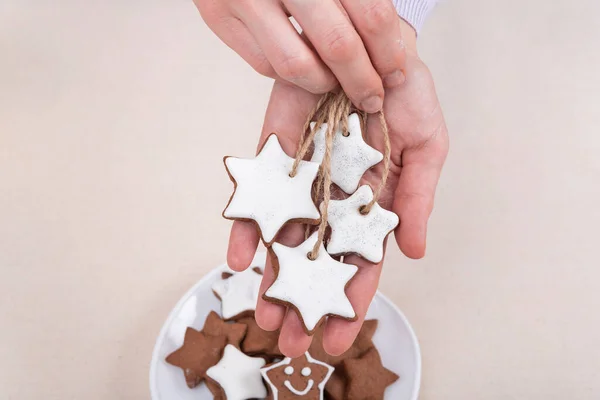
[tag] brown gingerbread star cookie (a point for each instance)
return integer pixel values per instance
(258, 341)
(215, 326)
(367, 377)
(336, 386)
(362, 343)
(301, 378)
(198, 353)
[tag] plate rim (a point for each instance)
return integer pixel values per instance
(172, 314)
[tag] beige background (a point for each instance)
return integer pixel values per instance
(114, 117)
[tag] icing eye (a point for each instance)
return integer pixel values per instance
(288, 370)
(306, 371)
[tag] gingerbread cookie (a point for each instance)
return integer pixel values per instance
(336, 386)
(258, 341)
(295, 379)
(198, 353)
(351, 157)
(367, 377)
(238, 292)
(266, 194)
(314, 289)
(355, 232)
(237, 376)
(233, 333)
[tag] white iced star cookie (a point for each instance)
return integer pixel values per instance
(238, 375)
(298, 378)
(238, 292)
(354, 232)
(314, 289)
(351, 157)
(266, 194)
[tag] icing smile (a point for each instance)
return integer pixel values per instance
(299, 392)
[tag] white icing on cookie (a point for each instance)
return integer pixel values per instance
(306, 371)
(316, 288)
(238, 293)
(353, 232)
(297, 392)
(239, 375)
(287, 383)
(265, 193)
(351, 157)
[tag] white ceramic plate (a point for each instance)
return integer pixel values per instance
(394, 339)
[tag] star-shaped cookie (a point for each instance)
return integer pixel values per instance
(367, 377)
(266, 194)
(258, 341)
(362, 343)
(215, 326)
(351, 157)
(238, 292)
(314, 289)
(300, 378)
(237, 376)
(198, 353)
(336, 386)
(355, 232)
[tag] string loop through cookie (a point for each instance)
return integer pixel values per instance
(333, 109)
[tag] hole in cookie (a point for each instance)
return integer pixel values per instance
(363, 210)
(346, 134)
(310, 256)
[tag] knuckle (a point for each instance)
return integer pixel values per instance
(263, 66)
(340, 44)
(378, 17)
(244, 7)
(293, 67)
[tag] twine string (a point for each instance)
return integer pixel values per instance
(387, 150)
(333, 110)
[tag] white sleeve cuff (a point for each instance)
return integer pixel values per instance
(414, 11)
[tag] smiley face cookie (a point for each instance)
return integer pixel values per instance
(302, 378)
(267, 195)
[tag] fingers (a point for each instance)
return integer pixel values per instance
(243, 241)
(342, 49)
(293, 341)
(378, 24)
(413, 200)
(340, 334)
(234, 34)
(269, 316)
(291, 58)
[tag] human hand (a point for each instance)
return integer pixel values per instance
(419, 143)
(351, 42)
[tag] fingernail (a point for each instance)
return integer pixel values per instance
(396, 78)
(372, 104)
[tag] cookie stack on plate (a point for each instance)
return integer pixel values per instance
(238, 360)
